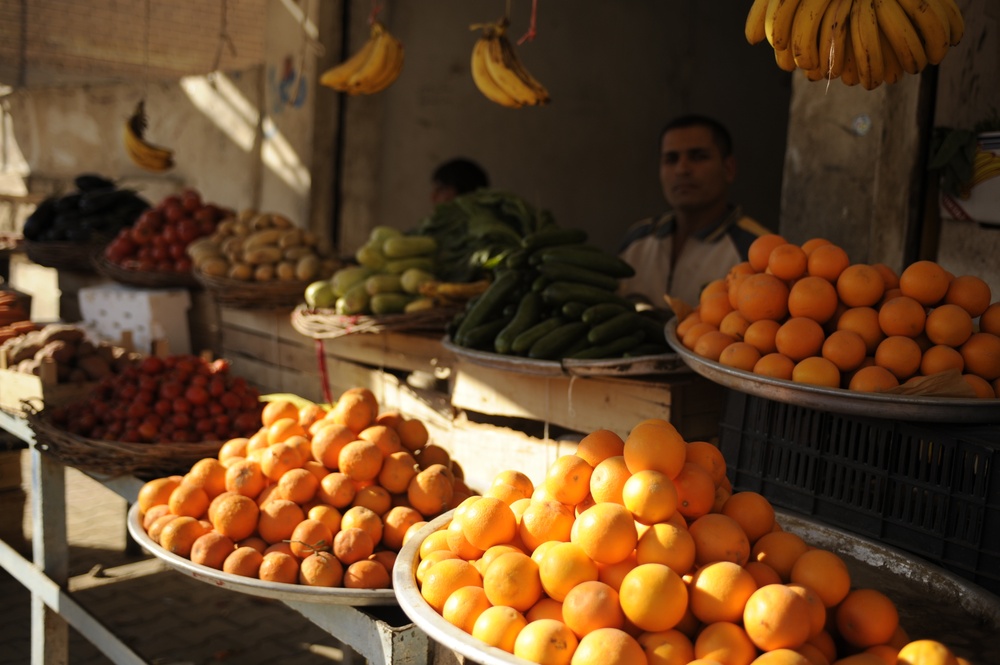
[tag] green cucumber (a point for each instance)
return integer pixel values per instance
(540, 283)
(490, 302)
(523, 342)
(553, 343)
(560, 293)
(482, 336)
(567, 272)
(573, 310)
(600, 261)
(601, 312)
(527, 314)
(615, 327)
(552, 236)
(612, 349)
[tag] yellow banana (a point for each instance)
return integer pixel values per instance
(956, 23)
(987, 166)
(754, 28)
(893, 67)
(504, 68)
(833, 33)
(902, 35)
(778, 22)
(867, 50)
(785, 59)
(337, 77)
(849, 71)
(143, 153)
(805, 32)
(481, 75)
(932, 23)
(383, 64)
(515, 63)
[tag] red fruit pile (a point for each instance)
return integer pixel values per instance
(178, 398)
(158, 239)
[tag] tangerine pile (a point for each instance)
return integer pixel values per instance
(322, 497)
(805, 313)
(637, 551)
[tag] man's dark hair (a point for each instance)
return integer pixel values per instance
(462, 174)
(720, 134)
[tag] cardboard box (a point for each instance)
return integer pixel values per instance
(148, 314)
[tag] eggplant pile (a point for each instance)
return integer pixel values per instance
(97, 209)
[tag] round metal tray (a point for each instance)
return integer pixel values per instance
(837, 400)
(663, 363)
(963, 615)
(255, 587)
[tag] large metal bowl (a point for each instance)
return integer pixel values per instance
(836, 400)
(933, 603)
(252, 586)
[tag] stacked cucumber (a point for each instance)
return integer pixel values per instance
(555, 298)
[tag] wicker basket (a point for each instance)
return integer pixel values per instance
(326, 324)
(116, 458)
(143, 278)
(242, 294)
(68, 256)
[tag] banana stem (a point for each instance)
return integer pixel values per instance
(532, 32)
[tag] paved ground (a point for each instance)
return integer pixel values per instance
(166, 617)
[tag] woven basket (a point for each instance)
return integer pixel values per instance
(242, 294)
(143, 278)
(326, 324)
(116, 458)
(68, 256)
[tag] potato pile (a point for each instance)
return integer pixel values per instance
(261, 247)
(76, 358)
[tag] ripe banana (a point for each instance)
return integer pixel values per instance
(372, 68)
(985, 167)
(956, 23)
(785, 59)
(867, 50)
(932, 23)
(754, 28)
(833, 32)
(504, 69)
(143, 153)
(778, 23)
(849, 72)
(893, 67)
(805, 32)
(901, 35)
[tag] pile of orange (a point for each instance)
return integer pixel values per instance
(636, 551)
(805, 313)
(322, 497)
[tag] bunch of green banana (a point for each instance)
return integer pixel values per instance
(371, 69)
(143, 153)
(498, 72)
(866, 42)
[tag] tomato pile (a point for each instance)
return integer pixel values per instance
(178, 398)
(158, 239)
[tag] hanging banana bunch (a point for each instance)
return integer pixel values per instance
(498, 73)
(866, 42)
(143, 153)
(371, 69)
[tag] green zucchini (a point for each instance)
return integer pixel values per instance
(527, 314)
(588, 258)
(612, 349)
(390, 303)
(399, 266)
(553, 343)
(523, 342)
(567, 272)
(383, 283)
(404, 246)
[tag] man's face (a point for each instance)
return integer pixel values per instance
(693, 173)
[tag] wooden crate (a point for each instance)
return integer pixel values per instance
(44, 389)
(10, 470)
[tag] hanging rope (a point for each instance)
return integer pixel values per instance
(225, 39)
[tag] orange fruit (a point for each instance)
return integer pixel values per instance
(845, 349)
(752, 511)
(865, 322)
(382, 436)
(695, 332)
(813, 298)
(363, 518)
(825, 573)
(277, 409)
(740, 355)
(734, 324)
(980, 386)
(591, 605)
(816, 371)
(900, 355)
(712, 343)
(668, 544)
(762, 296)
(608, 646)
(828, 261)
(156, 492)
(817, 610)
(873, 379)
(360, 460)
(326, 442)
(235, 516)
(888, 275)
(649, 495)
(776, 617)
(278, 519)
(243, 561)
(179, 534)
(278, 458)
(653, 597)
(608, 479)
(562, 567)
(398, 469)
(445, 576)
(356, 408)
(780, 550)
(367, 574)
(545, 520)
(513, 579)
(413, 434)
(787, 262)
(949, 325)
(321, 569)
(724, 642)
(279, 567)
(397, 522)
(970, 293)
(667, 647)
(939, 359)
(925, 652)
(499, 627)
(189, 500)
(714, 307)
(211, 549)
(209, 474)
(236, 447)
(545, 608)
(924, 281)
(599, 445)
(719, 590)
(687, 323)
(762, 573)
(718, 537)
(310, 536)
(545, 641)
(799, 338)
(328, 515)
(431, 490)
(284, 428)
(336, 489)
(759, 252)
(298, 485)
(606, 532)
(902, 316)
(655, 445)
(860, 285)
(464, 606)
(760, 335)
(568, 479)
(695, 491)
(989, 321)
(866, 617)
(775, 365)
(782, 657)
(488, 521)
(161, 509)
(981, 353)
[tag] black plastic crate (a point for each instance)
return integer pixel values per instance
(929, 489)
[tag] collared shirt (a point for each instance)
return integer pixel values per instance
(708, 254)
